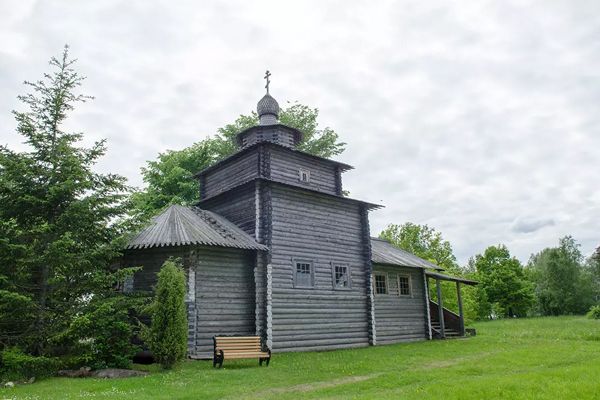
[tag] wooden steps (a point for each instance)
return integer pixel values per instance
(449, 332)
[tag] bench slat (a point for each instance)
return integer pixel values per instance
(244, 355)
(236, 347)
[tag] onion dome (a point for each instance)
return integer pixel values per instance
(268, 110)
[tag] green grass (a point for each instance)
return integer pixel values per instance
(553, 358)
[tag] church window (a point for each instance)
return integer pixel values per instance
(304, 175)
(404, 285)
(341, 276)
(304, 274)
(381, 286)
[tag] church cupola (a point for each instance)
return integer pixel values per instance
(269, 129)
(267, 108)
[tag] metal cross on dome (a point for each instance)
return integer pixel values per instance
(267, 75)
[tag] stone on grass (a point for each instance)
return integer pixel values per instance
(111, 373)
(75, 373)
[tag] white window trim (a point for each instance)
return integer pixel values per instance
(296, 261)
(349, 271)
(304, 171)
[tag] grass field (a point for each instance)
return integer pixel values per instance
(544, 358)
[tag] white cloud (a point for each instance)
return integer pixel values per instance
(479, 119)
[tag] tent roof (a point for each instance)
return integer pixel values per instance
(180, 226)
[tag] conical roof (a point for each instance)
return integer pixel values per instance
(180, 226)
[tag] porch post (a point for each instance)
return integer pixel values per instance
(460, 310)
(440, 308)
(427, 305)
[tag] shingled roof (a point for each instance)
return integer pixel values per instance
(180, 226)
(383, 252)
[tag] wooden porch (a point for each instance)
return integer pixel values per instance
(443, 323)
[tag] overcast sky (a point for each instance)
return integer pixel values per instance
(480, 119)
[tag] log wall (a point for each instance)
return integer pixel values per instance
(400, 318)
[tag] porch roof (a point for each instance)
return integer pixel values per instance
(443, 277)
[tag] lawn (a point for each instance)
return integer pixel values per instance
(543, 358)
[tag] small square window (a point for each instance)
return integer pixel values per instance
(303, 276)
(381, 284)
(403, 285)
(304, 175)
(341, 276)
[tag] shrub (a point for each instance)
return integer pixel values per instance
(103, 334)
(594, 312)
(17, 365)
(167, 335)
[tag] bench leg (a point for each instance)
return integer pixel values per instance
(218, 359)
(268, 359)
(260, 360)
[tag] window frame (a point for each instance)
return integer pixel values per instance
(295, 262)
(387, 285)
(302, 171)
(410, 291)
(348, 273)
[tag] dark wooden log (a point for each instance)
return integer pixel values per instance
(440, 308)
(460, 310)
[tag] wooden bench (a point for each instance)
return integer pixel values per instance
(236, 347)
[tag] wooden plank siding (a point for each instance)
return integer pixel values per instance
(400, 318)
(230, 174)
(325, 230)
(285, 166)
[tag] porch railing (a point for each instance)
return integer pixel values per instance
(452, 321)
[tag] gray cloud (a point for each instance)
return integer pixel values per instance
(529, 225)
(465, 117)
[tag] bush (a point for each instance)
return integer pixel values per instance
(16, 365)
(594, 312)
(103, 334)
(167, 335)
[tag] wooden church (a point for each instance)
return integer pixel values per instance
(273, 248)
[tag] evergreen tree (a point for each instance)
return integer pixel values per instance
(61, 223)
(167, 336)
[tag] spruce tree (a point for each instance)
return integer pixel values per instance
(61, 222)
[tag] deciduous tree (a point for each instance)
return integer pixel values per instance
(562, 285)
(503, 286)
(427, 243)
(169, 179)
